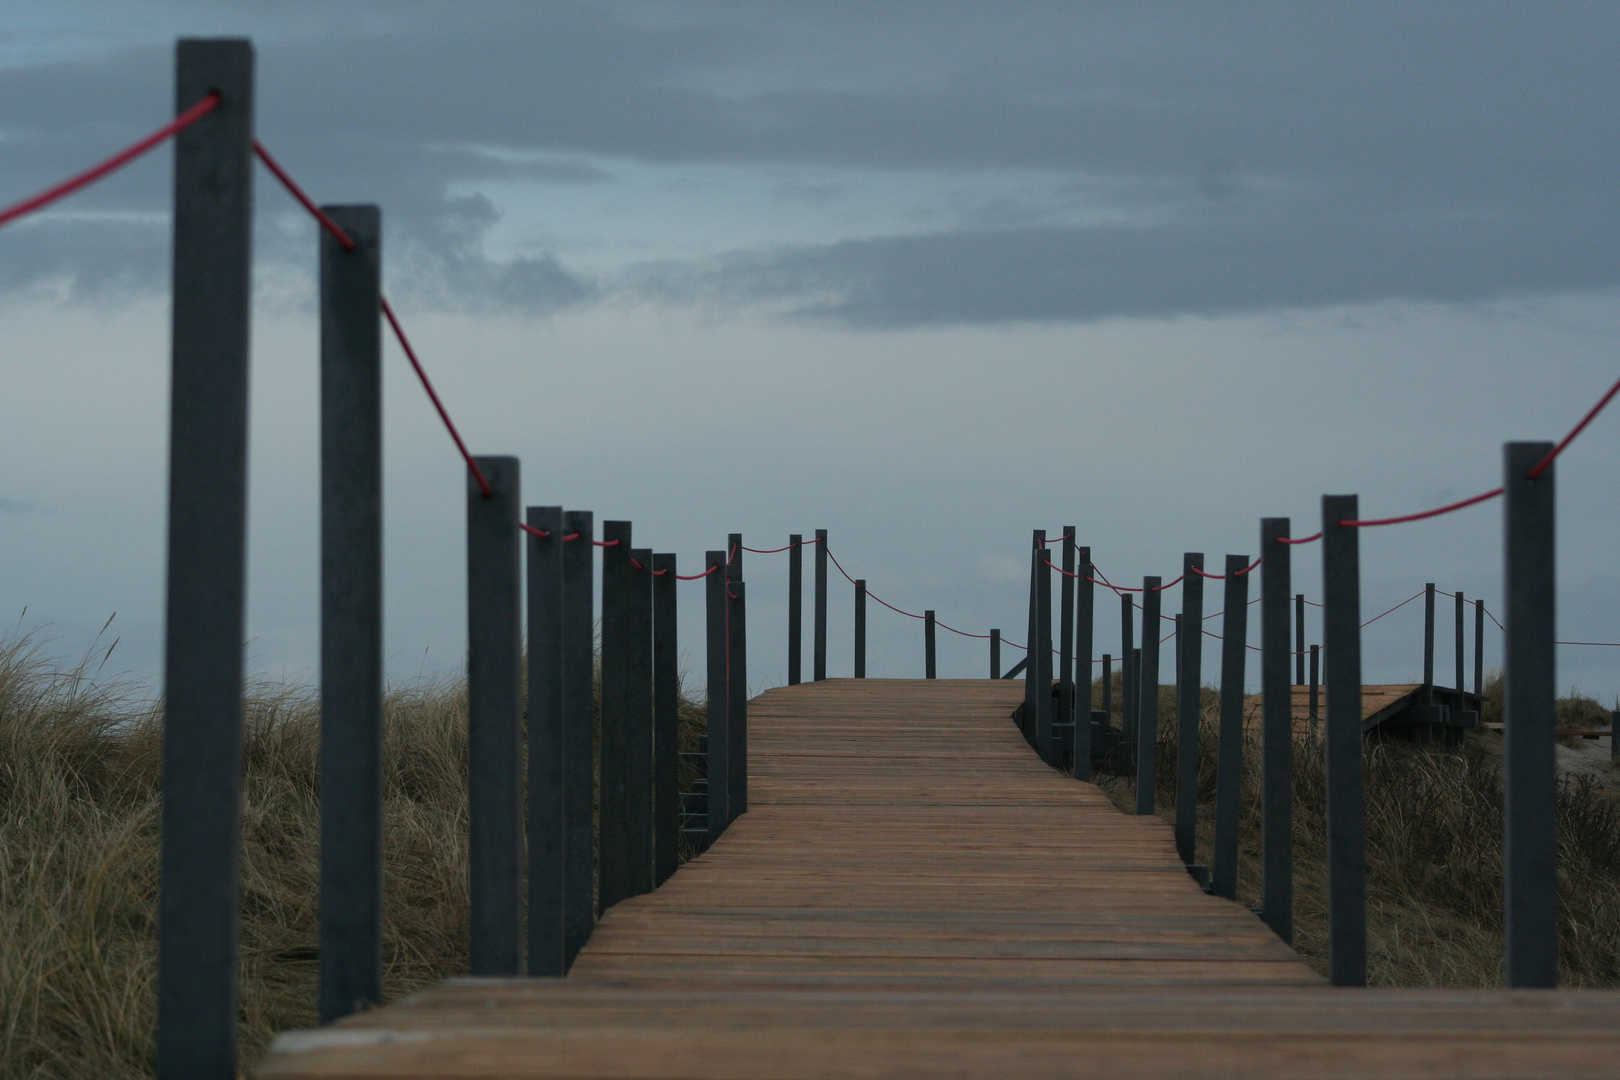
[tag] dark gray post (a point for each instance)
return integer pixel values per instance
(1189, 704)
(1066, 713)
(1276, 734)
(617, 712)
(1529, 718)
(208, 410)
(1423, 730)
(1462, 648)
(351, 615)
(1083, 714)
(1108, 687)
(718, 771)
(795, 606)
(1147, 697)
(1043, 660)
(860, 628)
(1313, 712)
(548, 800)
(928, 644)
(1127, 687)
(737, 703)
(1341, 630)
(666, 722)
(1299, 639)
(995, 653)
(1032, 635)
(1614, 736)
(819, 660)
(638, 774)
(495, 720)
(1479, 651)
(579, 729)
(1229, 750)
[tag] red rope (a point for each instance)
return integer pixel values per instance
(1483, 497)
(605, 543)
(531, 530)
(570, 536)
(1302, 540)
(1397, 607)
(785, 547)
(117, 161)
(303, 200)
(433, 396)
(1541, 466)
(637, 564)
(694, 577)
(1222, 577)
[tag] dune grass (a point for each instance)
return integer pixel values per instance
(79, 802)
(79, 827)
(1434, 850)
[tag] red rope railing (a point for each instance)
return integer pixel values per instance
(67, 187)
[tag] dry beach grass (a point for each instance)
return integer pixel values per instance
(79, 801)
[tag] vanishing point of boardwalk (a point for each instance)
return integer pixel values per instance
(913, 894)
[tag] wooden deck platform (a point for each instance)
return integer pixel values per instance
(914, 895)
(1379, 703)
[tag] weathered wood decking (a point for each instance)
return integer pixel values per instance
(913, 894)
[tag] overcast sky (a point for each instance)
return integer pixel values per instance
(926, 275)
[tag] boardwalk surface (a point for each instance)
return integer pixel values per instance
(912, 894)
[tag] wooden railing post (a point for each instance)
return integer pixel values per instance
(1529, 718)
(1041, 660)
(995, 653)
(638, 771)
(1479, 650)
(1127, 685)
(579, 729)
(1276, 734)
(928, 644)
(1084, 717)
(1032, 635)
(718, 783)
(548, 770)
(795, 607)
(1108, 688)
(819, 646)
(666, 721)
(1229, 751)
(351, 615)
(1313, 711)
(617, 711)
(860, 628)
(207, 556)
(1346, 846)
(1427, 713)
(1147, 697)
(494, 720)
(1189, 704)
(737, 700)
(1066, 713)
(1299, 639)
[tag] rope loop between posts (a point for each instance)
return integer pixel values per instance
(433, 396)
(343, 238)
(73, 183)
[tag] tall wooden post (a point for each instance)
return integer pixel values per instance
(619, 701)
(1147, 698)
(208, 444)
(548, 758)
(795, 607)
(1189, 704)
(351, 614)
(1276, 734)
(1229, 752)
(579, 729)
(819, 646)
(1529, 720)
(1346, 854)
(666, 721)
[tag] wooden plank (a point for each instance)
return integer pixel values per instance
(886, 910)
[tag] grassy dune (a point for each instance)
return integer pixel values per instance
(1434, 851)
(79, 802)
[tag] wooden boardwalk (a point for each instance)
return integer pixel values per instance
(913, 894)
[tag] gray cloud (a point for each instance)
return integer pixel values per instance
(1276, 155)
(13, 508)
